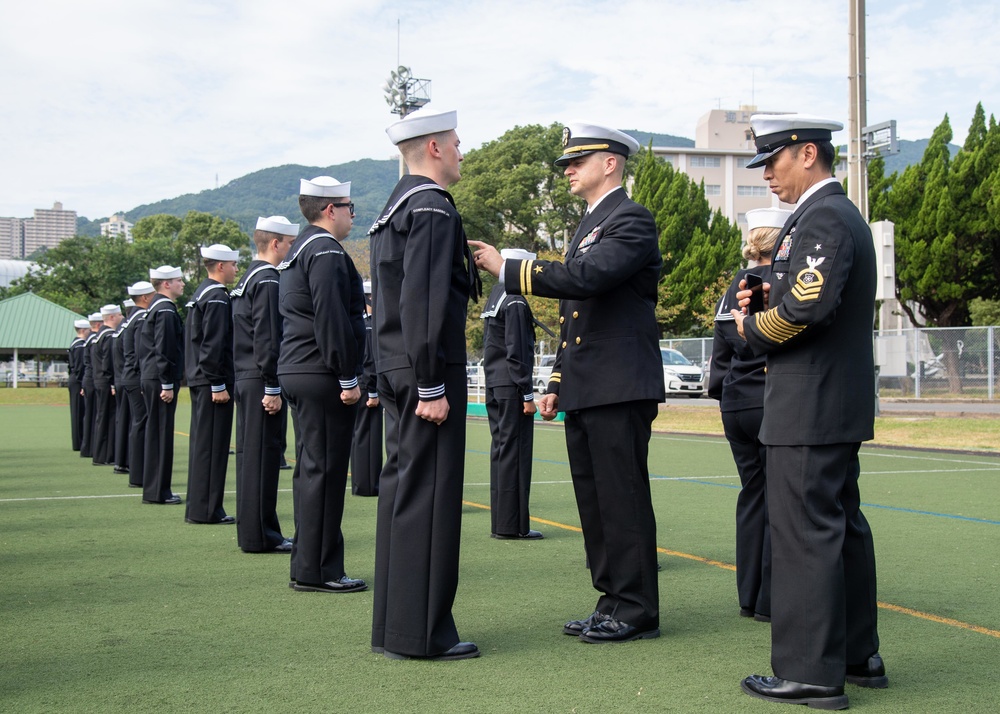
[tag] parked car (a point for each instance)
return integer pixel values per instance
(680, 375)
(543, 371)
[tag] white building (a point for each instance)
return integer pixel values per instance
(117, 226)
(723, 146)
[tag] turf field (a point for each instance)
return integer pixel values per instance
(110, 605)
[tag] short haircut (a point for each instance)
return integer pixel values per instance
(760, 242)
(412, 149)
(210, 263)
(262, 239)
(825, 153)
(157, 283)
(312, 207)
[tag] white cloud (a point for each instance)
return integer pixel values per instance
(108, 105)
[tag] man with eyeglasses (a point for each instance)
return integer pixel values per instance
(322, 303)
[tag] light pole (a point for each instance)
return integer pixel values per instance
(405, 93)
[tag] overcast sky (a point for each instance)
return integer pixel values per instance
(108, 104)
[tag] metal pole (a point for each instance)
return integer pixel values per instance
(857, 98)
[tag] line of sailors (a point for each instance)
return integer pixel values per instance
(125, 371)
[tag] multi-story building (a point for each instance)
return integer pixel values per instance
(47, 229)
(117, 226)
(723, 146)
(11, 238)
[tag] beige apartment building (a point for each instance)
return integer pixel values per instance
(48, 228)
(117, 226)
(11, 238)
(723, 145)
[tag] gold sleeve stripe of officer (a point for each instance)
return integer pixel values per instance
(587, 147)
(526, 277)
(776, 328)
(555, 377)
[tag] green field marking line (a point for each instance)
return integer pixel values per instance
(729, 566)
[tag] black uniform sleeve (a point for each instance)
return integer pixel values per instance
(266, 332)
(168, 354)
(722, 358)
(519, 339)
(427, 279)
(213, 351)
(820, 266)
(331, 287)
(369, 374)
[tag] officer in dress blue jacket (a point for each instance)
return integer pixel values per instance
(422, 279)
(211, 377)
(819, 405)
(161, 365)
(260, 416)
(607, 290)
(142, 294)
(322, 345)
(508, 362)
(74, 367)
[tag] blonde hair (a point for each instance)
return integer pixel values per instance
(760, 243)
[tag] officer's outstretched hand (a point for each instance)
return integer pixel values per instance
(487, 257)
(350, 396)
(435, 410)
(548, 405)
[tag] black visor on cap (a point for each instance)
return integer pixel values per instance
(579, 146)
(770, 144)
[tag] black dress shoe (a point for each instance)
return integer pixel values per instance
(135, 485)
(870, 674)
(614, 630)
(463, 650)
(776, 689)
(575, 628)
(172, 501)
(343, 585)
(119, 470)
(761, 617)
(285, 467)
(284, 547)
(530, 535)
(746, 612)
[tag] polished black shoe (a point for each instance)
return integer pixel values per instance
(119, 470)
(776, 689)
(761, 617)
(575, 628)
(343, 585)
(225, 520)
(869, 674)
(463, 650)
(135, 485)
(614, 630)
(746, 612)
(285, 467)
(172, 501)
(530, 535)
(284, 547)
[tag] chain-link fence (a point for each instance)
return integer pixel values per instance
(918, 363)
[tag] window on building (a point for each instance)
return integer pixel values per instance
(742, 161)
(755, 191)
(713, 189)
(705, 162)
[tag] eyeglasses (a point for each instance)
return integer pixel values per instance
(348, 206)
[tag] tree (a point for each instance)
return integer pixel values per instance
(697, 245)
(513, 195)
(946, 232)
(83, 273)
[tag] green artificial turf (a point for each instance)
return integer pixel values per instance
(110, 605)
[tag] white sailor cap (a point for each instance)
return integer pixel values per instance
(422, 122)
(767, 218)
(128, 302)
(81, 325)
(164, 272)
(367, 287)
(517, 254)
(142, 287)
(110, 310)
(773, 132)
(581, 139)
(95, 317)
(278, 224)
(219, 252)
(324, 187)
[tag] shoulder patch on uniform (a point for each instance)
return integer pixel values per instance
(809, 282)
